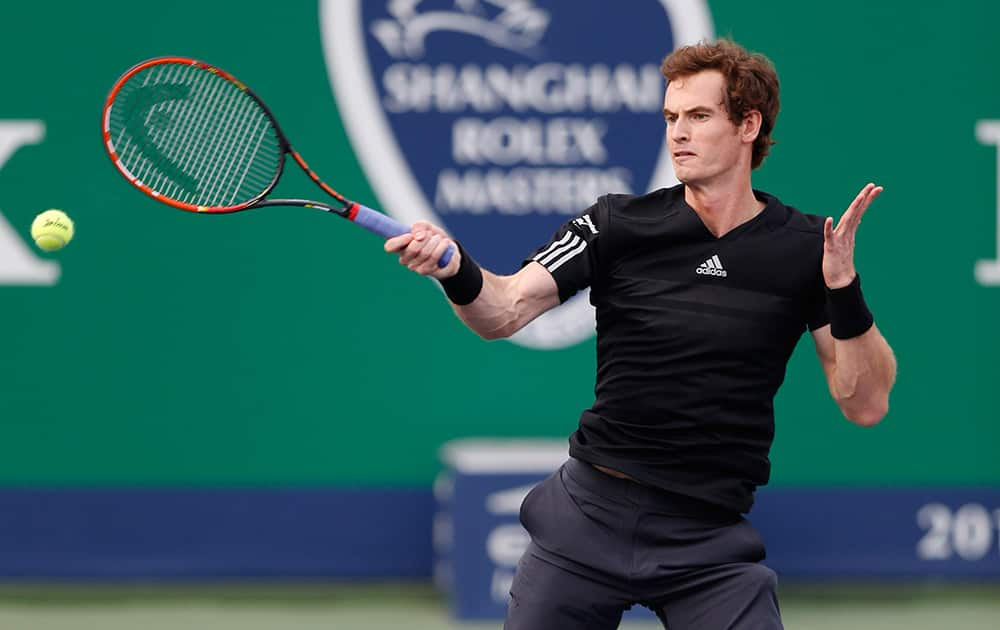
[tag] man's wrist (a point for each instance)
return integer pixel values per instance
(465, 285)
(849, 315)
(843, 281)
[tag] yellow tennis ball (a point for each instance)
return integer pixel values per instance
(51, 230)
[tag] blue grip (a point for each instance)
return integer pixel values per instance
(388, 227)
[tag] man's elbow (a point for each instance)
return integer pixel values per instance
(498, 328)
(867, 415)
(493, 335)
(488, 329)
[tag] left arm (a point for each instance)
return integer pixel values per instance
(860, 372)
(859, 365)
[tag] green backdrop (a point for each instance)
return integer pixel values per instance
(259, 348)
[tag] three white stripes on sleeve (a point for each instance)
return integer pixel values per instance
(560, 252)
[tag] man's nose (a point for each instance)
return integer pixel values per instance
(678, 131)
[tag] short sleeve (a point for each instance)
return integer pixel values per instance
(571, 254)
(816, 314)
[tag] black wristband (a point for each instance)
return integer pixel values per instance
(464, 287)
(849, 315)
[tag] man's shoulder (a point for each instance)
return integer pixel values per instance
(791, 218)
(652, 205)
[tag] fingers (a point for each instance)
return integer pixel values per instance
(828, 231)
(424, 249)
(874, 193)
(852, 216)
(434, 268)
(865, 198)
(421, 248)
(419, 254)
(847, 219)
(397, 243)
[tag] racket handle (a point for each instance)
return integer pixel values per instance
(388, 227)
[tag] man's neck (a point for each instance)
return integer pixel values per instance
(723, 208)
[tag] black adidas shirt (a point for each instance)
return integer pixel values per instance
(693, 336)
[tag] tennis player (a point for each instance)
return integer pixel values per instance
(702, 292)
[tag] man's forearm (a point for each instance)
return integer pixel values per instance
(493, 314)
(507, 304)
(864, 373)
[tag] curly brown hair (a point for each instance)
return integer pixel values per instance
(751, 83)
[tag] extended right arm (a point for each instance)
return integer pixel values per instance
(507, 304)
(503, 305)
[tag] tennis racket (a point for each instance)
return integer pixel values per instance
(194, 137)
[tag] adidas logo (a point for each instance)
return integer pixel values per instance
(712, 267)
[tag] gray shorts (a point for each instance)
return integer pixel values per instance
(601, 545)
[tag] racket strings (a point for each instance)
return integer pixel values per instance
(194, 136)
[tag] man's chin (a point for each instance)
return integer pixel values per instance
(689, 176)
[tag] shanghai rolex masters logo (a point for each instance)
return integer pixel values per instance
(502, 119)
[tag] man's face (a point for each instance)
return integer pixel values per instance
(703, 141)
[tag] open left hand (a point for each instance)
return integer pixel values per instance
(838, 243)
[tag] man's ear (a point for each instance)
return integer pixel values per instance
(750, 126)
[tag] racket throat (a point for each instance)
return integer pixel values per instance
(344, 211)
